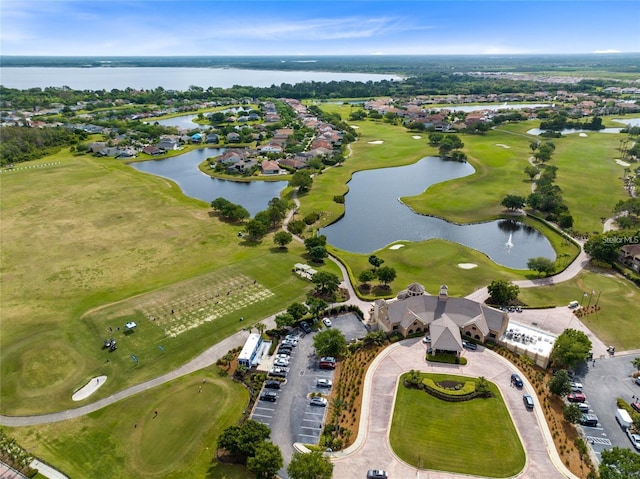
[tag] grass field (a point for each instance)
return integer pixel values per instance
(471, 437)
(103, 233)
(617, 321)
(125, 440)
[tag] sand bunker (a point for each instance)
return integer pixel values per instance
(623, 163)
(467, 265)
(502, 145)
(583, 135)
(396, 246)
(355, 127)
(416, 137)
(89, 388)
(375, 142)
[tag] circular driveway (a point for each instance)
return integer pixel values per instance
(372, 450)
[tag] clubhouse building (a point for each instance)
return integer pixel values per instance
(448, 320)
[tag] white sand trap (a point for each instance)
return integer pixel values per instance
(375, 142)
(623, 163)
(416, 137)
(355, 127)
(88, 389)
(502, 145)
(396, 246)
(583, 135)
(467, 265)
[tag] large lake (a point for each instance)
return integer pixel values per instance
(169, 78)
(183, 169)
(375, 217)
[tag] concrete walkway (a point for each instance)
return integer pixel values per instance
(47, 471)
(372, 449)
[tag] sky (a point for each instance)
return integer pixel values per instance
(316, 27)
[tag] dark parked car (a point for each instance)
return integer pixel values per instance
(589, 420)
(270, 396)
(305, 327)
(516, 381)
(271, 384)
(528, 401)
(377, 474)
(469, 345)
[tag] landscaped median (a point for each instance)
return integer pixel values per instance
(469, 432)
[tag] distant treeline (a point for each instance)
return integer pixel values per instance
(23, 144)
(427, 84)
(408, 65)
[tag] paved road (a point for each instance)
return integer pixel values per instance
(372, 449)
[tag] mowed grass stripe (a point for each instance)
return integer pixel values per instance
(471, 437)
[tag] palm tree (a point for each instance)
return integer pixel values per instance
(261, 327)
(636, 362)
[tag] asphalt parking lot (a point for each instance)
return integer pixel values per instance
(292, 418)
(603, 383)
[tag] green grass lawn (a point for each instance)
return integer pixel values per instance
(471, 437)
(125, 440)
(103, 233)
(617, 321)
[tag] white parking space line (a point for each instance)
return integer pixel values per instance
(262, 408)
(315, 413)
(308, 435)
(261, 415)
(310, 420)
(310, 427)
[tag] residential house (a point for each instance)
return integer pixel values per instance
(233, 137)
(270, 167)
(294, 163)
(196, 138)
(213, 138)
(168, 144)
(447, 319)
(152, 150)
(271, 147)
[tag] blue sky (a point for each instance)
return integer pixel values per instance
(307, 28)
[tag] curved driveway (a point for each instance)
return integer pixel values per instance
(372, 449)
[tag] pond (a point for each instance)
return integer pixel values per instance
(376, 217)
(183, 169)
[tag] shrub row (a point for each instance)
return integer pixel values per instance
(447, 359)
(469, 387)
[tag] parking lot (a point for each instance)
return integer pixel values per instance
(291, 417)
(603, 383)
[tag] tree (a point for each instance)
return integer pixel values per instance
(326, 282)
(297, 310)
(502, 292)
(559, 384)
(282, 238)
(531, 171)
(267, 460)
(255, 229)
(619, 463)
(366, 276)
(636, 363)
(448, 144)
(572, 413)
(301, 180)
(284, 319)
(318, 253)
(261, 327)
(570, 348)
(319, 240)
(243, 440)
(296, 227)
(329, 342)
(316, 305)
(513, 202)
(386, 274)
(375, 262)
(313, 465)
(541, 265)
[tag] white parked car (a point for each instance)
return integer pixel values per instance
(318, 401)
(635, 439)
(327, 322)
(324, 383)
(282, 362)
(426, 339)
